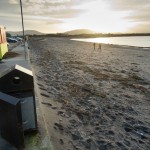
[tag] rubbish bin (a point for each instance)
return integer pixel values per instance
(11, 128)
(18, 82)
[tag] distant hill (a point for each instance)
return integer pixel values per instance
(27, 32)
(79, 31)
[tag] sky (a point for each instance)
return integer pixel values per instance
(56, 16)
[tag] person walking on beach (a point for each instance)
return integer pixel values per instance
(94, 45)
(99, 46)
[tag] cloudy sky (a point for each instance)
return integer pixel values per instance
(53, 16)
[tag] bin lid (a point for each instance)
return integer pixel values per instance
(16, 67)
(17, 78)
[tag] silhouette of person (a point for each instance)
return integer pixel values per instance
(99, 47)
(94, 45)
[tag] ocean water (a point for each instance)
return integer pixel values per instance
(138, 41)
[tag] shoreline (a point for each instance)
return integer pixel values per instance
(93, 99)
(112, 41)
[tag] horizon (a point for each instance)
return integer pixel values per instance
(59, 16)
(84, 33)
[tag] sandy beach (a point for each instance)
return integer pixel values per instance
(93, 99)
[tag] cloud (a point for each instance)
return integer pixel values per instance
(9, 6)
(139, 18)
(60, 9)
(127, 5)
(48, 1)
(13, 2)
(53, 12)
(141, 28)
(138, 12)
(47, 20)
(56, 8)
(54, 22)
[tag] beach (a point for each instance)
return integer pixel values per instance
(96, 99)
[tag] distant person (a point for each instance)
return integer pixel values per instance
(94, 45)
(26, 38)
(21, 42)
(99, 46)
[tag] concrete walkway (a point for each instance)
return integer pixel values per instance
(37, 141)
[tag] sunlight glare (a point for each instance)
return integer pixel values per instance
(98, 17)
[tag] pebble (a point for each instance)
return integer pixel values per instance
(59, 126)
(61, 141)
(49, 104)
(45, 95)
(54, 107)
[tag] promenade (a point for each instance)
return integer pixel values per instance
(33, 141)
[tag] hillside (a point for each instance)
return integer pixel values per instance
(27, 32)
(79, 31)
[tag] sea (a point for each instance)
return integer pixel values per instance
(138, 41)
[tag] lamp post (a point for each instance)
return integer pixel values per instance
(23, 27)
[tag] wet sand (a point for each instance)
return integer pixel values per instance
(93, 99)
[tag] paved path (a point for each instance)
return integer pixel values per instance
(37, 141)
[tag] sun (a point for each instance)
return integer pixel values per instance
(98, 17)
